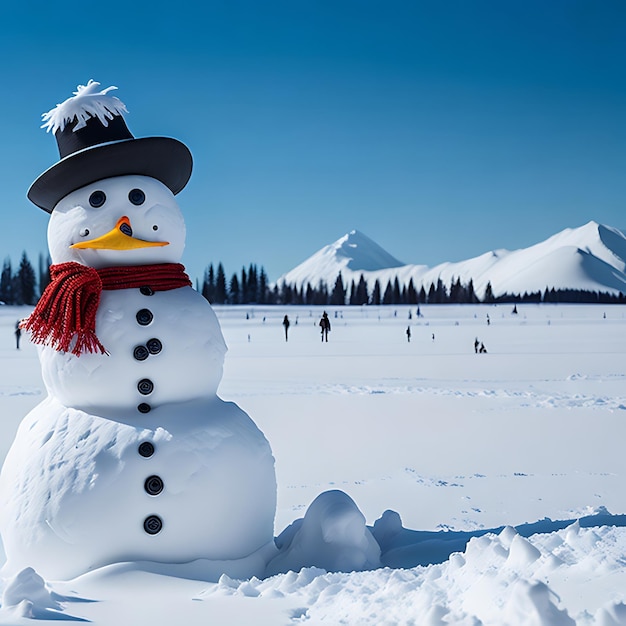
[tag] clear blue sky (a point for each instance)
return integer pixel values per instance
(440, 129)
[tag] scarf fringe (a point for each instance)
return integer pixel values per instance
(65, 316)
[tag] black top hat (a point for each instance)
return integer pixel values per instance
(95, 143)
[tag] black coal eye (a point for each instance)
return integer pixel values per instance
(136, 196)
(97, 199)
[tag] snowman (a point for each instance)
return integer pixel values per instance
(132, 456)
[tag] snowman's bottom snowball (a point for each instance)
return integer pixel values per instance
(75, 489)
(332, 536)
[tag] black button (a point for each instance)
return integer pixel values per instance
(153, 485)
(145, 386)
(153, 524)
(144, 317)
(146, 449)
(146, 291)
(154, 346)
(144, 407)
(141, 353)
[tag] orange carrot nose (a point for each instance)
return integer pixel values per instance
(120, 237)
(124, 226)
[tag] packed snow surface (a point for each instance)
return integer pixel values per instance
(482, 489)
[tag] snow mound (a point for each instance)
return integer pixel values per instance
(26, 595)
(332, 535)
(551, 579)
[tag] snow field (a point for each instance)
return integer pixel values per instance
(456, 443)
(429, 428)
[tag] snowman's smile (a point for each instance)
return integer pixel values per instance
(119, 238)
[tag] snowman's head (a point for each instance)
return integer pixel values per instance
(124, 220)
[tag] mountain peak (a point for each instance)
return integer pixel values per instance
(604, 242)
(363, 254)
(353, 253)
(591, 257)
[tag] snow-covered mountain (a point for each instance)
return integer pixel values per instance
(591, 257)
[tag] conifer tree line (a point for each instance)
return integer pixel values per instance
(21, 285)
(249, 287)
(252, 287)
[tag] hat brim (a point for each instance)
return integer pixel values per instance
(166, 159)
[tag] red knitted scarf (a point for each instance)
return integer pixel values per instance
(65, 316)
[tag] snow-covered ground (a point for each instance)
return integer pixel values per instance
(461, 446)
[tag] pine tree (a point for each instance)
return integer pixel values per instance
(6, 283)
(338, 296)
(388, 295)
(361, 291)
(25, 283)
(243, 288)
(550, 295)
(252, 291)
(441, 293)
(220, 286)
(309, 295)
(208, 283)
(457, 291)
(321, 293)
(397, 295)
(376, 299)
(234, 292)
(471, 294)
(432, 295)
(411, 293)
(262, 288)
(286, 294)
(299, 295)
(352, 299)
(488, 298)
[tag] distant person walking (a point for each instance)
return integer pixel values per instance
(286, 324)
(408, 334)
(18, 334)
(476, 345)
(325, 326)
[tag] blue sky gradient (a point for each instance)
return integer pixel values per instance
(440, 129)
